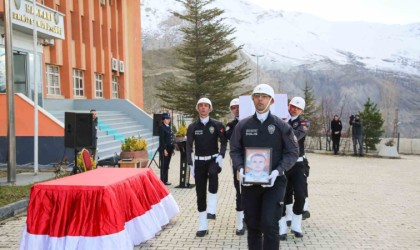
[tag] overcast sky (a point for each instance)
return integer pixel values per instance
(378, 11)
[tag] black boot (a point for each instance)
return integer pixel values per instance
(306, 215)
(240, 232)
(297, 234)
(211, 216)
(202, 233)
(283, 237)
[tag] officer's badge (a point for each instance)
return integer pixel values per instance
(227, 128)
(222, 130)
(295, 125)
(271, 129)
(211, 129)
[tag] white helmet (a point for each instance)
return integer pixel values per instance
(298, 102)
(264, 89)
(204, 100)
(234, 102)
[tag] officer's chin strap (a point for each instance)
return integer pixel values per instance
(266, 107)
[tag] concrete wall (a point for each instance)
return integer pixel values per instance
(405, 145)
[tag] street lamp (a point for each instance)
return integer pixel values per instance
(258, 69)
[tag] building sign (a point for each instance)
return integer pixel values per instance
(49, 23)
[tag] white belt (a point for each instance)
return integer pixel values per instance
(301, 158)
(205, 158)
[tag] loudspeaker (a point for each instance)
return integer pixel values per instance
(78, 130)
(157, 120)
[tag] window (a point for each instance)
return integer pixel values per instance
(78, 82)
(115, 87)
(99, 90)
(53, 80)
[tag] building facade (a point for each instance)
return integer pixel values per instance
(94, 54)
(86, 49)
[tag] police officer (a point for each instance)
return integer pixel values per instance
(296, 176)
(262, 204)
(234, 108)
(166, 147)
(205, 133)
(336, 128)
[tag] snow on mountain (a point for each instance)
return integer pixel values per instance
(288, 39)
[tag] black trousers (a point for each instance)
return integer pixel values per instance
(296, 188)
(203, 171)
(238, 191)
(164, 166)
(262, 208)
(336, 143)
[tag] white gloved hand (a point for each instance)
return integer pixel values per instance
(219, 160)
(272, 178)
(241, 178)
(192, 170)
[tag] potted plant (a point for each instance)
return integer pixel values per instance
(389, 149)
(181, 132)
(133, 147)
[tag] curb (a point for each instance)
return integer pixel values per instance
(13, 209)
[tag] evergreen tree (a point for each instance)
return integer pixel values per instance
(206, 57)
(372, 124)
(311, 111)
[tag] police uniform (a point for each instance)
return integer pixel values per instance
(296, 182)
(166, 142)
(263, 205)
(206, 139)
(336, 128)
(230, 126)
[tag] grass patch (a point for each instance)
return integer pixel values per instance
(10, 194)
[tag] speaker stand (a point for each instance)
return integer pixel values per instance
(153, 159)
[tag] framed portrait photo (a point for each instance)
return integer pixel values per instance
(257, 166)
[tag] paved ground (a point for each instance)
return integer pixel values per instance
(355, 203)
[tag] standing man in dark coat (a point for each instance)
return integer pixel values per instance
(234, 108)
(336, 128)
(205, 133)
(357, 134)
(263, 204)
(166, 147)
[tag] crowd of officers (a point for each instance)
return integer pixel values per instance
(265, 210)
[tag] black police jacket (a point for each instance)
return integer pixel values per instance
(165, 138)
(229, 128)
(300, 129)
(336, 127)
(273, 133)
(206, 139)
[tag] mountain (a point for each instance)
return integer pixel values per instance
(344, 62)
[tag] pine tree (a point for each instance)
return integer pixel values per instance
(372, 124)
(206, 57)
(311, 111)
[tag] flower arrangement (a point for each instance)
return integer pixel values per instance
(132, 143)
(81, 165)
(182, 130)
